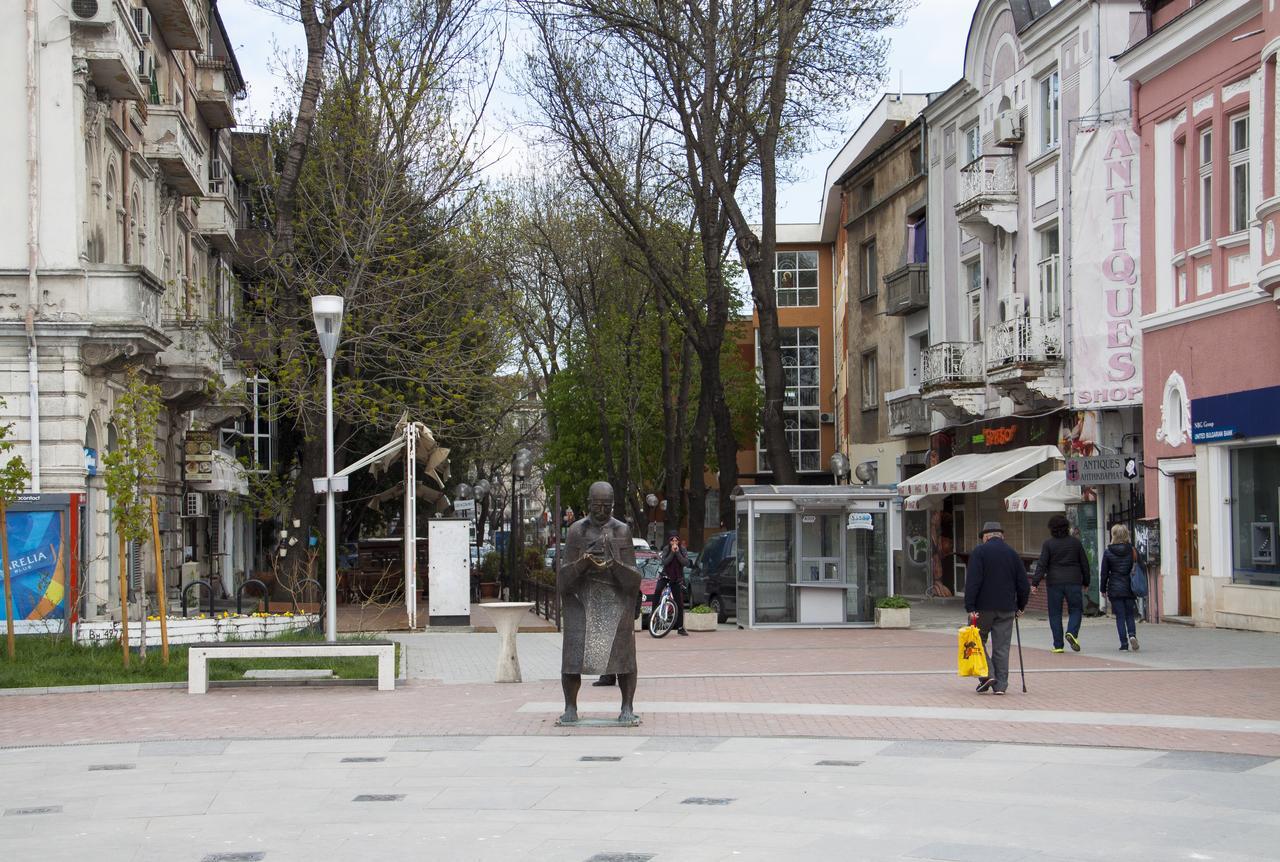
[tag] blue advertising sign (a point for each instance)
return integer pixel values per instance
(37, 564)
(1252, 413)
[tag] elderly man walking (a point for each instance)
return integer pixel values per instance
(995, 594)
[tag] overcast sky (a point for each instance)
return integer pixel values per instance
(927, 55)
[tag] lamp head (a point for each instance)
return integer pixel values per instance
(327, 313)
(521, 463)
(651, 500)
(867, 471)
(481, 489)
(839, 465)
(464, 491)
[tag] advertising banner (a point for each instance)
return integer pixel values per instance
(38, 565)
(1106, 346)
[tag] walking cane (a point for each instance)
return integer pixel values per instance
(1021, 669)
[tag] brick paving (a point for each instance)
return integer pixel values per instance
(891, 669)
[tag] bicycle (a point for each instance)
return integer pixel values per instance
(662, 617)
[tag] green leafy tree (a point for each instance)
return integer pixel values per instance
(128, 469)
(14, 478)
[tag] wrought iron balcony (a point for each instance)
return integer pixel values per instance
(988, 195)
(952, 364)
(1024, 341)
(907, 289)
(217, 85)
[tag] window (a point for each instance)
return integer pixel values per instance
(254, 429)
(1239, 166)
(866, 195)
(1206, 185)
(1050, 284)
(1255, 514)
(796, 277)
(800, 369)
(973, 276)
(975, 316)
(972, 143)
(1049, 118)
(870, 383)
(868, 277)
(917, 240)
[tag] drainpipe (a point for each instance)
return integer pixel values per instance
(1097, 54)
(33, 245)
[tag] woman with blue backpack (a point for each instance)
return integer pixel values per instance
(1121, 581)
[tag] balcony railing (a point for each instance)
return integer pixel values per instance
(182, 22)
(112, 54)
(218, 217)
(174, 146)
(990, 176)
(952, 363)
(908, 415)
(217, 84)
(1024, 340)
(907, 289)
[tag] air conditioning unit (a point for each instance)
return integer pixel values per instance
(145, 66)
(95, 13)
(193, 505)
(1015, 305)
(1008, 129)
(142, 23)
(827, 418)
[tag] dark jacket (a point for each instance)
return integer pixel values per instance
(1062, 561)
(996, 579)
(673, 564)
(1113, 575)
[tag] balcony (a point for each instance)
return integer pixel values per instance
(908, 415)
(191, 365)
(111, 53)
(1025, 359)
(907, 289)
(182, 22)
(218, 217)
(952, 379)
(172, 144)
(217, 85)
(123, 303)
(988, 196)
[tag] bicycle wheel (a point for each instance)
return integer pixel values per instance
(662, 618)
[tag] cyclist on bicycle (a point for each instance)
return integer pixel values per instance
(674, 561)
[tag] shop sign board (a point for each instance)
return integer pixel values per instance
(861, 521)
(1102, 470)
(198, 456)
(1106, 342)
(465, 508)
(1252, 413)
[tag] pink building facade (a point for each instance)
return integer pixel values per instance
(1204, 106)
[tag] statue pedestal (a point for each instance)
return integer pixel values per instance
(599, 722)
(506, 618)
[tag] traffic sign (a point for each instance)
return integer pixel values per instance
(1102, 470)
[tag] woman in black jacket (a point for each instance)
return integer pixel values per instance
(1064, 565)
(1117, 563)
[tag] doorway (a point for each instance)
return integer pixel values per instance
(1188, 563)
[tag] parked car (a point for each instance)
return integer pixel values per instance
(640, 544)
(714, 580)
(549, 559)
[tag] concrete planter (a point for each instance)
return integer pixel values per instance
(699, 622)
(195, 630)
(893, 618)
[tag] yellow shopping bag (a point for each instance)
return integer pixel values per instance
(972, 658)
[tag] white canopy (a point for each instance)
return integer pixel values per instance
(974, 473)
(922, 503)
(1049, 493)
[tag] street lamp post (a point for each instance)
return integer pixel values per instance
(520, 463)
(327, 312)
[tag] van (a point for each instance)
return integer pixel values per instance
(714, 580)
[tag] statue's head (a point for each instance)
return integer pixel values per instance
(600, 502)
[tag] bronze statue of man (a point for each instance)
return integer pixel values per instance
(598, 584)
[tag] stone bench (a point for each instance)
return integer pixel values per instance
(199, 655)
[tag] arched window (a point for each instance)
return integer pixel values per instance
(1175, 412)
(135, 225)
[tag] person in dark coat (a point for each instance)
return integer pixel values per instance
(1065, 566)
(1113, 575)
(674, 561)
(995, 594)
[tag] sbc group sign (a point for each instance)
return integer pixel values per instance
(1106, 346)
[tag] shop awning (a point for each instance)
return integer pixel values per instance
(974, 473)
(1049, 493)
(922, 503)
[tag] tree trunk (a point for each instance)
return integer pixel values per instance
(303, 511)
(773, 419)
(697, 468)
(317, 32)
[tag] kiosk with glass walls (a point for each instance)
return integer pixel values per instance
(813, 555)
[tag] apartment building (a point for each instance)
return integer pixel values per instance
(1204, 89)
(1023, 367)
(118, 232)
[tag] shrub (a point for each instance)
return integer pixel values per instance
(892, 602)
(491, 568)
(702, 609)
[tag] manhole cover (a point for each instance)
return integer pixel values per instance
(363, 759)
(598, 758)
(110, 767)
(706, 800)
(839, 763)
(379, 797)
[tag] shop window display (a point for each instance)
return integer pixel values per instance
(1255, 514)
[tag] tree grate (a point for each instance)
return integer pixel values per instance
(379, 797)
(599, 758)
(363, 759)
(246, 856)
(707, 800)
(839, 763)
(38, 809)
(111, 767)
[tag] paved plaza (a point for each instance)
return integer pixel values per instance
(785, 744)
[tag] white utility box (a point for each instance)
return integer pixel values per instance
(449, 572)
